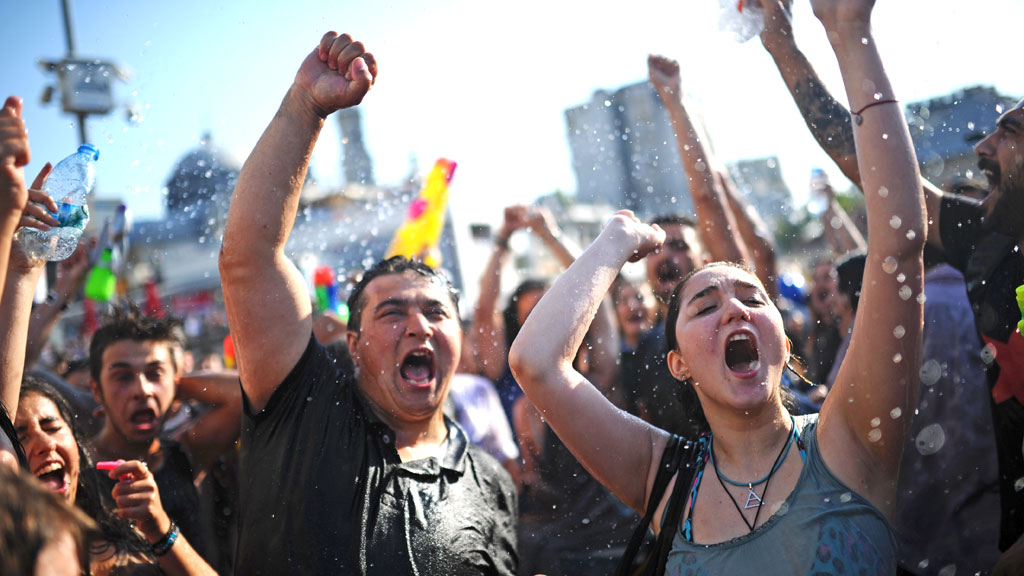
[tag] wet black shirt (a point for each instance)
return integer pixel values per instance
(323, 490)
(993, 267)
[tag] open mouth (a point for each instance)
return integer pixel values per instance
(741, 355)
(53, 477)
(418, 368)
(668, 272)
(144, 419)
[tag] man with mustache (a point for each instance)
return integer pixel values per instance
(982, 239)
(342, 471)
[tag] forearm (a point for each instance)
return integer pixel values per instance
(827, 119)
(19, 288)
(272, 177)
(556, 242)
(714, 219)
(604, 348)
(550, 337)
(891, 181)
(843, 232)
(44, 317)
(758, 240)
(487, 327)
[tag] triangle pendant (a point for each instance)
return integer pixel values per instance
(753, 500)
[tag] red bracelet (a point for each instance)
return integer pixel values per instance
(856, 115)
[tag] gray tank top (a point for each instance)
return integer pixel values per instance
(822, 527)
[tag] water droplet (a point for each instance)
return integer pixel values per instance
(889, 265)
(895, 413)
(864, 41)
(906, 293)
(897, 358)
(885, 136)
(948, 570)
(899, 332)
(901, 277)
(931, 371)
(921, 298)
(836, 222)
(911, 234)
(875, 435)
(876, 422)
(877, 95)
(883, 192)
(988, 354)
(930, 439)
(1018, 485)
(846, 497)
(895, 222)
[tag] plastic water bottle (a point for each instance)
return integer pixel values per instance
(69, 185)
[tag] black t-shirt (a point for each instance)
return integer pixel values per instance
(993, 267)
(323, 490)
(654, 388)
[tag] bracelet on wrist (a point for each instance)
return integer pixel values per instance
(501, 242)
(163, 545)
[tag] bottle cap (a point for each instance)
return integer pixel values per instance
(90, 149)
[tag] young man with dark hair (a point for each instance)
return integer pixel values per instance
(348, 472)
(135, 378)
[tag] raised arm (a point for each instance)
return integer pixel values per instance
(616, 448)
(866, 417)
(757, 238)
(71, 274)
(828, 120)
(267, 302)
(717, 230)
(488, 324)
(14, 155)
(216, 429)
(840, 231)
(22, 276)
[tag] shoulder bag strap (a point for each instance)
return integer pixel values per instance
(666, 468)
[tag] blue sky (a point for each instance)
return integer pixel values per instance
(483, 84)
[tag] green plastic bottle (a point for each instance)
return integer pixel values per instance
(101, 284)
(1020, 304)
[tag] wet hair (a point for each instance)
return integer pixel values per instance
(31, 517)
(513, 323)
(114, 530)
(126, 321)
(388, 267)
(8, 429)
(850, 277)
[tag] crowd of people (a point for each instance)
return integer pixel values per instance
(872, 424)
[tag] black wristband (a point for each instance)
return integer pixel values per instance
(163, 545)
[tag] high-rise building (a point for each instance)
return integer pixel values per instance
(624, 153)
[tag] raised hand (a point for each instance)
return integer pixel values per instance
(664, 75)
(625, 229)
(138, 499)
(14, 155)
(336, 74)
(35, 214)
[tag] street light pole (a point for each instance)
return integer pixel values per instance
(70, 38)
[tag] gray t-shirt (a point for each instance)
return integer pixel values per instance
(823, 527)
